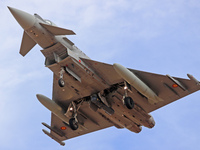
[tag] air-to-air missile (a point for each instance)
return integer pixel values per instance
(193, 79)
(47, 133)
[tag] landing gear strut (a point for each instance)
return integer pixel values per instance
(128, 101)
(72, 113)
(61, 81)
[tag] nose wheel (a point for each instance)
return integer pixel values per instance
(61, 81)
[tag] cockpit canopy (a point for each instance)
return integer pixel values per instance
(48, 22)
(45, 20)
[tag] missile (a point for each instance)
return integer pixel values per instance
(193, 79)
(138, 84)
(53, 137)
(53, 107)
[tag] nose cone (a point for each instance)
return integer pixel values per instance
(24, 19)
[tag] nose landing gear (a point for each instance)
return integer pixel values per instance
(61, 81)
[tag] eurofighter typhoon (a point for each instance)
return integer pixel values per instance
(90, 95)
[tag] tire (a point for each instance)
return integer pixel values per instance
(128, 101)
(73, 124)
(61, 82)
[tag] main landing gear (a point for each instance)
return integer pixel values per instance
(72, 113)
(128, 101)
(73, 123)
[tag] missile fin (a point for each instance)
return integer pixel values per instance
(53, 137)
(57, 30)
(61, 134)
(27, 44)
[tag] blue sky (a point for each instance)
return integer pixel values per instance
(156, 36)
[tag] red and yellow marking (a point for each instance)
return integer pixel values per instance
(63, 128)
(174, 85)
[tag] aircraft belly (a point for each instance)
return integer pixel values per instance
(75, 89)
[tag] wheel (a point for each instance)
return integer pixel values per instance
(128, 101)
(61, 82)
(73, 124)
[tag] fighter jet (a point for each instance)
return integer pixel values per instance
(90, 95)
